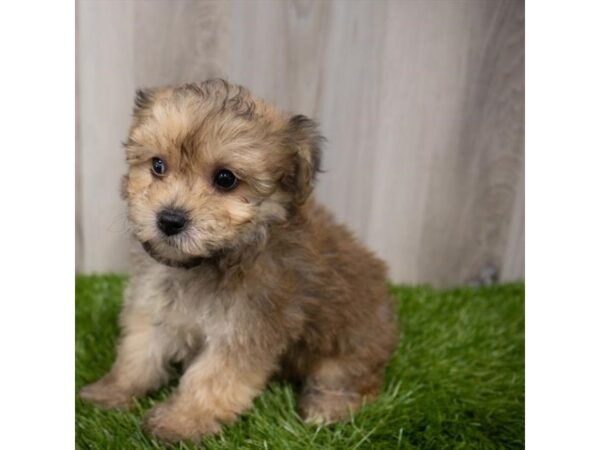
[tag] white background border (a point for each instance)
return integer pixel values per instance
(562, 179)
(37, 217)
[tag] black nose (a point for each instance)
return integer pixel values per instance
(172, 221)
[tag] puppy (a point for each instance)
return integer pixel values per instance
(238, 274)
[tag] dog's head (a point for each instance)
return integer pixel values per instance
(210, 168)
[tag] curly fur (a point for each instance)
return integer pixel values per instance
(263, 282)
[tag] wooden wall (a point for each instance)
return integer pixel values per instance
(422, 103)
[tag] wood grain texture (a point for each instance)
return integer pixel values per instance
(421, 102)
(106, 85)
(122, 46)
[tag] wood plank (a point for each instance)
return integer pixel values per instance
(179, 42)
(472, 186)
(421, 102)
(105, 73)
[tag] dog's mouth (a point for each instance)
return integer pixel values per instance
(189, 263)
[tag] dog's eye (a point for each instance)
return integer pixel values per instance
(225, 179)
(158, 167)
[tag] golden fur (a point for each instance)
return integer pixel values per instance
(263, 282)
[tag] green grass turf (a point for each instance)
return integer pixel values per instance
(455, 381)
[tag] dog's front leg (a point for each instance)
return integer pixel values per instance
(140, 364)
(219, 385)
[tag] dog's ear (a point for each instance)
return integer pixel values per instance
(123, 190)
(143, 99)
(303, 136)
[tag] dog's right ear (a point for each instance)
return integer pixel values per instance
(143, 99)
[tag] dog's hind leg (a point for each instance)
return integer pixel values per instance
(336, 388)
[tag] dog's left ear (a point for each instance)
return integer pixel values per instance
(144, 98)
(123, 190)
(304, 138)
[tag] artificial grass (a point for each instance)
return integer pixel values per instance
(456, 380)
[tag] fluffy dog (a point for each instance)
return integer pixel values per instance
(238, 274)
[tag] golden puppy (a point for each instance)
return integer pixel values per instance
(239, 274)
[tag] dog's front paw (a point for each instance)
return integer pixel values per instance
(173, 422)
(107, 394)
